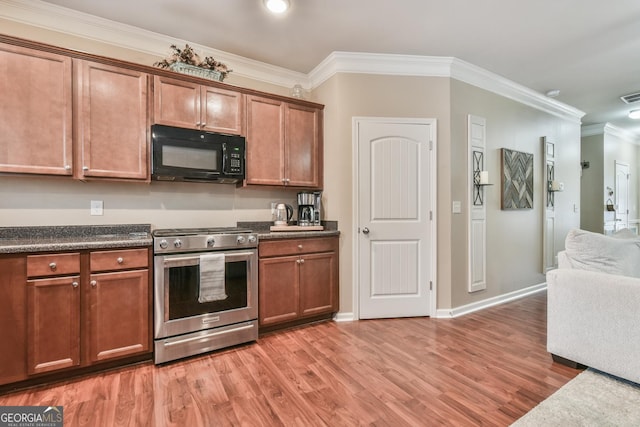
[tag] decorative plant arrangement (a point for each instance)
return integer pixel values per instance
(188, 62)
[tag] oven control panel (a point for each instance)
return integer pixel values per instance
(204, 242)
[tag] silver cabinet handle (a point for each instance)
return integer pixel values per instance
(120, 260)
(74, 284)
(53, 266)
(365, 230)
(93, 283)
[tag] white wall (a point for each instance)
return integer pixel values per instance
(592, 188)
(514, 237)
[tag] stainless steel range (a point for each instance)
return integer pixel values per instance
(205, 290)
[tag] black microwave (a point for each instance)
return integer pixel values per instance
(179, 154)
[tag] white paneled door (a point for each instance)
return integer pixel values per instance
(394, 226)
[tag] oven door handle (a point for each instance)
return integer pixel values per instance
(181, 261)
(185, 261)
(207, 336)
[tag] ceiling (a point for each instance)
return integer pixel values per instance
(588, 49)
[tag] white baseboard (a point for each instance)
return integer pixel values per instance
(489, 302)
(344, 317)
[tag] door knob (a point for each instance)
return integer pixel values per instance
(365, 230)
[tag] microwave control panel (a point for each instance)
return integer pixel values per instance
(235, 163)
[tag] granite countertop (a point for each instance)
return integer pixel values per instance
(262, 228)
(73, 237)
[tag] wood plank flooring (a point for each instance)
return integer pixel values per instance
(487, 368)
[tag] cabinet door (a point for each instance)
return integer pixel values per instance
(278, 290)
(176, 103)
(265, 141)
(303, 155)
(53, 324)
(221, 110)
(13, 319)
(118, 314)
(35, 112)
(112, 122)
(318, 284)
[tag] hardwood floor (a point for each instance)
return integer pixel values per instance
(486, 368)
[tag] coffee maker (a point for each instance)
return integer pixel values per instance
(309, 207)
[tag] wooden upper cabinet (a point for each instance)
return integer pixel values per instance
(302, 142)
(190, 105)
(112, 122)
(35, 111)
(284, 143)
(265, 141)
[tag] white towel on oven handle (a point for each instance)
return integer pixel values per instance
(212, 278)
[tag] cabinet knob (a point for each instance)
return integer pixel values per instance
(299, 246)
(67, 167)
(74, 284)
(93, 283)
(85, 168)
(120, 260)
(53, 266)
(302, 261)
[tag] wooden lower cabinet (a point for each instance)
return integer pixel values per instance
(13, 318)
(118, 314)
(298, 279)
(53, 324)
(81, 309)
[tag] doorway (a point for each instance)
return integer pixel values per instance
(622, 196)
(394, 217)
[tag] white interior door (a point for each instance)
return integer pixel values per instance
(394, 199)
(622, 195)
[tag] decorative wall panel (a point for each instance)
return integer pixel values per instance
(517, 180)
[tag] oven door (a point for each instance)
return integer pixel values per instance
(176, 289)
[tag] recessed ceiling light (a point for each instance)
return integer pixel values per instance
(634, 114)
(277, 6)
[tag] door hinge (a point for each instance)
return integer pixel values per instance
(430, 215)
(431, 145)
(430, 285)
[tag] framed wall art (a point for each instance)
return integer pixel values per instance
(517, 180)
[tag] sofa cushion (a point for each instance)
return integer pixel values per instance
(597, 252)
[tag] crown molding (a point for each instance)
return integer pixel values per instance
(592, 130)
(499, 85)
(67, 21)
(430, 66)
(610, 130)
(376, 63)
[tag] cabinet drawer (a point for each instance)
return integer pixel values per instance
(53, 264)
(123, 259)
(296, 246)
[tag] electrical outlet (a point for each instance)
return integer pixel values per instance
(97, 207)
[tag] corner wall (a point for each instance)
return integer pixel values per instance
(592, 188)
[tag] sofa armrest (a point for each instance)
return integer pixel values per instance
(594, 319)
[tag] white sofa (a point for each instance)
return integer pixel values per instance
(593, 308)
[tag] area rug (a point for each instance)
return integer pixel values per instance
(592, 398)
